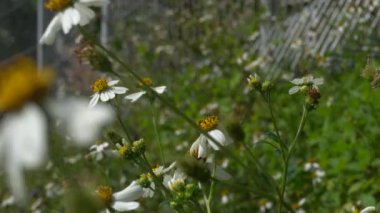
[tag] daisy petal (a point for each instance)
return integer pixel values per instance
(124, 206)
(111, 94)
(135, 96)
(220, 173)
(86, 14)
(297, 81)
(294, 90)
(119, 90)
(159, 89)
(318, 81)
(95, 3)
(104, 97)
(113, 83)
(51, 31)
(219, 137)
(94, 100)
(67, 21)
(133, 192)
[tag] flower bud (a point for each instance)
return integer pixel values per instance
(144, 180)
(267, 85)
(138, 147)
(254, 81)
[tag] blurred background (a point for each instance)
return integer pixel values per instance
(203, 50)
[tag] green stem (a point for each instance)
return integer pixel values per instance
(208, 209)
(122, 124)
(211, 192)
(290, 152)
(154, 120)
(277, 131)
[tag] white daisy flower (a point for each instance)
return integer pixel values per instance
(123, 200)
(318, 176)
(304, 83)
(98, 150)
(147, 82)
(69, 13)
(105, 90)
(23, 127)
(200, 147)
(175, 182)
(311, 165)
(158, 171)
(317, 173)
(265, 205)
(81, 123)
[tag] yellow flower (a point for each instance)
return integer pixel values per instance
(20, 82)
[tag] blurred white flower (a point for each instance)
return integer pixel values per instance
(97, 150)
(311, 165)
(69, 13)
(220, 173)
(147, 82)
(81, 123)
(368, 209)
(316, 172)
(175, 182)
(297, 207)
(123, 200)
(200, 147)
(158, 171)
(161, 170)
(53, 190)
(8, 201)
(265, 205)
(304, 83)
(23, 141)
(73, 159)
(226, 197)
(23, 127)
(105, 90)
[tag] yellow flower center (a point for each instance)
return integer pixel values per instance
(100, 85)
(295, 206)
(20, 82)
(177, 185)
(209, 123)
(123, 150)
(263, 202)
(147, 81)
(57, 5)
(105, 194)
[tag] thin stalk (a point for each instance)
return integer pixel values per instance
(290, 152)
(122, 124)
(211, 192)
(208, 209)
(154, 121)
(277, 131)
